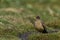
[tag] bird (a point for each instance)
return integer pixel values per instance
(39, 25)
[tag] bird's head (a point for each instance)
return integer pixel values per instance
(37, 17)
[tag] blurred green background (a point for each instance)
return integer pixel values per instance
(15, 14)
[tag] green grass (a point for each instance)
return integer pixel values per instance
(13, 23)
(9, 38)
(49, 36)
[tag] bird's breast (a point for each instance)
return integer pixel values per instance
(38, 25)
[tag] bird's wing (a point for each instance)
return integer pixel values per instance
(48, 28)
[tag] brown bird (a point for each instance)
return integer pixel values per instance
(39, 26)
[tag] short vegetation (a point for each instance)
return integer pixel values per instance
(17, 16)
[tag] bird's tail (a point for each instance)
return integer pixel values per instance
(51, 30)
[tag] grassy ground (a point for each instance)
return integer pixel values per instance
(15, 16)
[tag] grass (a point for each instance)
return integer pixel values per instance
(9, 38)
(20, 18)
(38, 36)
